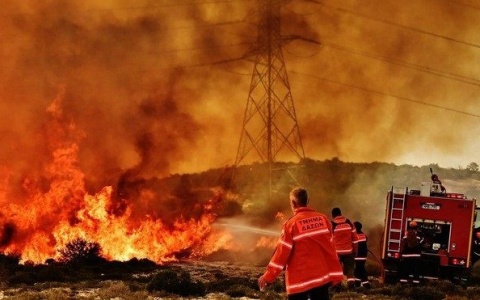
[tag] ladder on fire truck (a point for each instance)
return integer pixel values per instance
(395, 224)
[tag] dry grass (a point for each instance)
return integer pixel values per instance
(223, 281)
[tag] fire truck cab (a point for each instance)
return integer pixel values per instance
(445, 225)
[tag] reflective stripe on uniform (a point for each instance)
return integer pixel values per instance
(315, 281)
(286, 244)
(303, 235)
(276, 266)
(342, 228)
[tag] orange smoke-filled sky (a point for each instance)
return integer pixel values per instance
(380, 80)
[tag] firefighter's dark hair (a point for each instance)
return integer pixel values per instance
(336, 212)
(358, 225)
(300, 195)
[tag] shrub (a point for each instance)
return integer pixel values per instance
(114, 290)
(425, 292)
(8, 264)
(224, 283)
(9, 259)
(238, 290)
(22, 277)
(180, 284)
(49, 274)
(55, 294)
(141, 264)
(80, 251)
(347, 296)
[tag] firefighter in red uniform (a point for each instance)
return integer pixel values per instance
(306, 252)
(361, 277)
(346, 244)
(411, 251)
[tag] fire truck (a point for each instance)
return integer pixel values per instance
(445, 226)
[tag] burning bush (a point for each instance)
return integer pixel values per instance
(80, 251)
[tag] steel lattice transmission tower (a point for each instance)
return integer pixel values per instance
(270, 123)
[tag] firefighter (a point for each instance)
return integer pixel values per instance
(346, 244)
(410, 250)
(361, 278)
(476, 246)
(436, 180)
(306, 252)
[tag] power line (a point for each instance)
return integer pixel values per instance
(305, 56)
(167, 5)
(185, 50)
(202, 48)
(447, 75)
(396, 24)
(145, 7)
(421, 68)
(387, 95)
(465, 4)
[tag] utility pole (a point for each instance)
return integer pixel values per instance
(270, 125)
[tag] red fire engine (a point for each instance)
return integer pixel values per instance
(446, 229)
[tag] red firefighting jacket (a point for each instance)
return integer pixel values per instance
(362, 252)
(344, 235)
(306, 251)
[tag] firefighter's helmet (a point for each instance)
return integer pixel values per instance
(478, 235)
(413, 224)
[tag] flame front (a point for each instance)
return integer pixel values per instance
(51, 215)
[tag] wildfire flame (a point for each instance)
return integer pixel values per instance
(51, 215)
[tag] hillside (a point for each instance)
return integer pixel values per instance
(247, 206)
(358, 188)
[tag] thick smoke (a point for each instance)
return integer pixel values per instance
(142, 83)
(122, 71)
(391, 49)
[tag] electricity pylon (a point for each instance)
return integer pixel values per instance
(270, 124)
